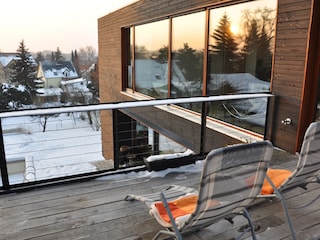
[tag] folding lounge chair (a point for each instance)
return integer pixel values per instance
(224, 191)
(307, 171)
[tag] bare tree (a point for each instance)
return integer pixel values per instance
(87, 55)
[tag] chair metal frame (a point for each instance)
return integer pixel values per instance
(307, 170)
(218, 161)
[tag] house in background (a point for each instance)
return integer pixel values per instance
(75, 91)
(48, 96)
(6, 61)
(53, 73)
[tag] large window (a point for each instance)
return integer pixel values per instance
(240, 59)
(188, 39)
(219, 50)
(151, 58)
(241, 47)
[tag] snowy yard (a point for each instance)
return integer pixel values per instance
(68, 146)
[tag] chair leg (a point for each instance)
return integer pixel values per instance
(285, 208)
(251, 225)
(173, 222)
(164, 232)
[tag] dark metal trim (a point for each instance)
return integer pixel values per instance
(3, 162)
(203, 128)
(115, 139)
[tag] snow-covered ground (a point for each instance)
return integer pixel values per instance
(190, 168)
(69, 146)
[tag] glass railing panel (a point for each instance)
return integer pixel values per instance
(53, 146)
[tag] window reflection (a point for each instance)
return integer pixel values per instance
(188, 33)
(241, 45)
(129, 36)
(240, 52)
(151, 58)
(240, 59)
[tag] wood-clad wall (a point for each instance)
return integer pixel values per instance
(289, 65)
(110, 67)
(289, 70)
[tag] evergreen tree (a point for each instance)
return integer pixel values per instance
(24, 69)
(264, 64)
(52, 57)
(3, 99)
(141, 52)
(190, 63)
(256, 52)
(163, 54)
(12, 97)
(76, 63)
(58, 55)
(250, 49)
(264, 61)
(39, 57)
(94, 83)
(223, 52)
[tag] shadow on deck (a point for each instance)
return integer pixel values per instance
(96, 209)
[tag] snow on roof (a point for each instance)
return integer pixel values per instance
(76, 84)
(60, 69)
(152, 74)
(6, 58)
(73, 81)
(241, 82)
(49, 91)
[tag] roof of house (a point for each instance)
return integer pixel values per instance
(241, 82)
(49, 91)
(6, 58)
(60, 69)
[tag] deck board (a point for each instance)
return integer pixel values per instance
(95, 209)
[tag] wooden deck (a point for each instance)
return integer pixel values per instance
(96, 209)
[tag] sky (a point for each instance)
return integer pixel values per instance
(43, 25)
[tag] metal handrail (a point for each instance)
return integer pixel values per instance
(131, 104)
(6, 186)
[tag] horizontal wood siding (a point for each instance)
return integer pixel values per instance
(289, 69)
(110, 72)
(292, 37)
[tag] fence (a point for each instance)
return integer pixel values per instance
(47, 146)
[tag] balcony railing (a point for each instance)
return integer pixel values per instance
(46, 146)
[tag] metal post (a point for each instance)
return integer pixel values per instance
(115, 138)
(3, 162)
(203, 128)
(156, 143)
